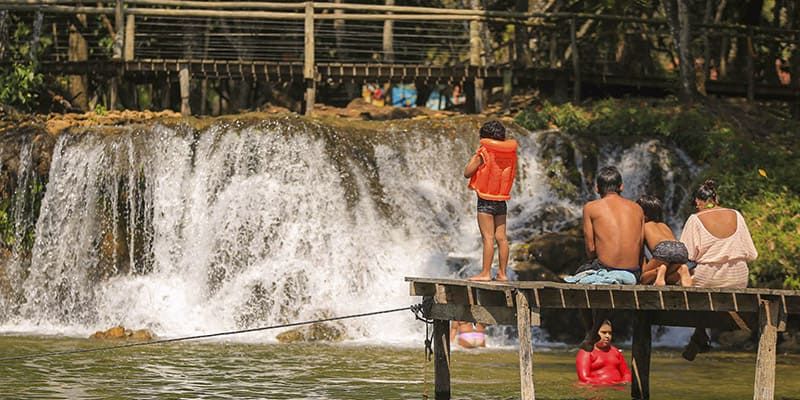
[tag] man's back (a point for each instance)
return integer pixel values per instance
(614, 230)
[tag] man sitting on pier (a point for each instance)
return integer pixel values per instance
(613, 228)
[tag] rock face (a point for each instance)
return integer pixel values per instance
(120, 333)
(318, 332)
(550, 256)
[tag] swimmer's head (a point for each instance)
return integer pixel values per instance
(604, 334)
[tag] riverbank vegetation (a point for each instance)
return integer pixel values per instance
(750, 149)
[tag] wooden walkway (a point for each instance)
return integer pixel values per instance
(323, 43)
(520, 303)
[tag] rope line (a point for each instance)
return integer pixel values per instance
(413, 308)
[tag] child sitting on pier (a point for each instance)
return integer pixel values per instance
(604, 364)
(491, 172)
(670, 256)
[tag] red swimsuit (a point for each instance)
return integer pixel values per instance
(602, 367)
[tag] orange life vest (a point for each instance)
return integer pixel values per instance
(493, 179)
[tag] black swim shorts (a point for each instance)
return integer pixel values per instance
(672, 252)
(492, 207)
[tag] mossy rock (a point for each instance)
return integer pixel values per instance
(317, 332)
(550, 255)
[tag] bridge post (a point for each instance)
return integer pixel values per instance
(184, 80)
(119, 33)
(309, 73)
(130, 35)
(388, 36)
(475, 59)
(441, 359)
(640, 357)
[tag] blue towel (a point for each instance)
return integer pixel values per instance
(603, 277)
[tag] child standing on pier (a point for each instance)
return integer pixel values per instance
(491, 171)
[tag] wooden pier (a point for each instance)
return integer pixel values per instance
(520, 303)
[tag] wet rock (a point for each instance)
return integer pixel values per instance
(120, 333)
(318, 332)
(550, 256)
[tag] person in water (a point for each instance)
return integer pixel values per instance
(718, 240)
(604, 364)
(467, 334)
(613, 230)
(491, 171)
(670, 256)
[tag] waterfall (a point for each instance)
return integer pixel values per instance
(255, 224)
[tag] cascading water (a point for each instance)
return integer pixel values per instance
(245, 225)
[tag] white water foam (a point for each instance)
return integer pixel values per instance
(250, 226)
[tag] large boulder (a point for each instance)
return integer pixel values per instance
(317, 332)
(550, 256)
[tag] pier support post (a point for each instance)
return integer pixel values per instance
(441, 359)
(640, 361)
(524, 323)
(771, 319)
(309, 73)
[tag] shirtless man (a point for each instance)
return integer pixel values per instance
(613, 228)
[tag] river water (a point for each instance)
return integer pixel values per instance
(236, 370)
(263, 223)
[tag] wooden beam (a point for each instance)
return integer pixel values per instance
(487, 315)
(640, 357)
(309, 73)
(441, 359)
(525, 347)
(130, 37)
(705, 319)
(388, 37)
(770, 317)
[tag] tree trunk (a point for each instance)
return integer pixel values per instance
(522, 57)
(680, 28)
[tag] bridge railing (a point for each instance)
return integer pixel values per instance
(310, 34)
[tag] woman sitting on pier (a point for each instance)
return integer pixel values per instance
(719, 242)
(604, 365)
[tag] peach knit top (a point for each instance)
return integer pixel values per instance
(721, 262)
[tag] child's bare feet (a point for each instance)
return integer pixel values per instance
(660, 280)
(481, 278)
(501, 278)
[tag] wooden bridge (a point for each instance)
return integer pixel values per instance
(520, 304)
(327, 44)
